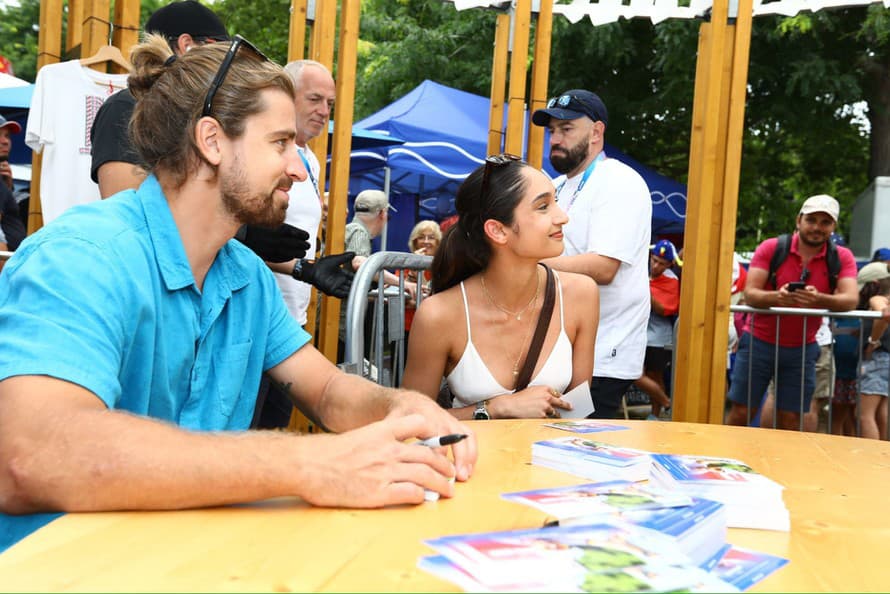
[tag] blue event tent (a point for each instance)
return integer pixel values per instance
(446, 135)
(14, 104)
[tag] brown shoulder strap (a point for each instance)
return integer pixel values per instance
(534, 349)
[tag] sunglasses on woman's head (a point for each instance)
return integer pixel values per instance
(493, 162)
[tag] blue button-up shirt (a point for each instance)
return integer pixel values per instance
(105, 298)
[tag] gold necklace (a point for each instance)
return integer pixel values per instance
(525, 339)
(516, 314)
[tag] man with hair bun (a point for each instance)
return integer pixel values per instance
(137, 330)
(117, 166)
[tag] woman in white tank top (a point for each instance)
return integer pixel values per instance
(476, 329)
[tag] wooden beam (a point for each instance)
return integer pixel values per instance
(518, 75)
(540, 78)
(96, 30)
(738, 81)
(715, 157)
(49, 51)
(498, 82)
(343, 118)
(694, 346)
(126, 28)
(296, 36)
(324, 32)
(75, 24)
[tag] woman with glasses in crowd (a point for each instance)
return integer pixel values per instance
(424, 240)
(477, 327)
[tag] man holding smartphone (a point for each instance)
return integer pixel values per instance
(12, 227)
(801, 280)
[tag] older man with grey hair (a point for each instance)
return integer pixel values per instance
(371, 213)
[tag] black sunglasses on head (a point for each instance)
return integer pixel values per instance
(493, 162)
(224, 66)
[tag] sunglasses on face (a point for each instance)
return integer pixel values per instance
(224, 67)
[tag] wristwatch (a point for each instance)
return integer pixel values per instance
(297, 272)
(874, 341)
(481, 412)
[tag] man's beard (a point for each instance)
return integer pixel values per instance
(572, 158)
(247, 208)
(805, 239)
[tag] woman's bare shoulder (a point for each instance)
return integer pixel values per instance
(441, 308)
(577, 285)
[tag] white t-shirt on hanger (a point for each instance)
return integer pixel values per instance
(64, 104)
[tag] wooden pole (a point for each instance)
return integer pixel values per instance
(296, 37)
(540, 78)
(324, 32)
(738, 81)
(75, 24)
(49, 51)
(126, 28)
(498, 82)
(518, 75)
(715, 155)
(96, 30)
(343, 118)
(694, 352)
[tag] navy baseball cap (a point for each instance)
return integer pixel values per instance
(190, 17)
(572, 105)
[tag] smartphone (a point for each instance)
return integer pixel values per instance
(796, 286)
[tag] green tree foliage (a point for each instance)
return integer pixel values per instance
(19, 31)
(801, 135)
(263, 22)
(408, 41)
(18, 37)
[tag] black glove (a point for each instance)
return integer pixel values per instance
(279, 244)
(332, 275)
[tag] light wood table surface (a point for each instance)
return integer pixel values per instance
(837, 490)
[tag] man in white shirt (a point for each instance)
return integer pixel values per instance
(314, 102)
(607, 238)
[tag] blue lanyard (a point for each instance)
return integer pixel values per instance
(309, 171)
(584, 178)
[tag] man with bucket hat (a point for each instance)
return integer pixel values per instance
(606, 238)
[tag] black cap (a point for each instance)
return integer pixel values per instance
(572, 105)
(190, 17)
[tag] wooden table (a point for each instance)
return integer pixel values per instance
(837, 492)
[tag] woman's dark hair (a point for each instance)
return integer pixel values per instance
(492, 191)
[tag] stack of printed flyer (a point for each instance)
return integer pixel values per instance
(605, 557)
(696, 526)
(590, 459)
(752, 500)
(621, 534)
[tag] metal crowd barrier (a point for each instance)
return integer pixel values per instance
(781, 312)
(383, 361)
